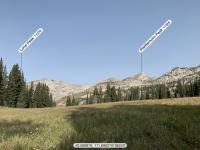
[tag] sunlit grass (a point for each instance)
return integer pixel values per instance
(152, 124)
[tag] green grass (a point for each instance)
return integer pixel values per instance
(153, 124)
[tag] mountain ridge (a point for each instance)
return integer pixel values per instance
(61, 89)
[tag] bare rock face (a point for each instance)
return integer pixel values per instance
(137, 80)
(179, 73)
(61, 89)
(112, 79)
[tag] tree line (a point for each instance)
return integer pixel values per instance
(15, 92)
(71, 101)
(180, 88)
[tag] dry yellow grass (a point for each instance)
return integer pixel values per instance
(58, 128)
(172, 101)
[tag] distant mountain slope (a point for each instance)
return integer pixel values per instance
(179, 73)
(61, 89)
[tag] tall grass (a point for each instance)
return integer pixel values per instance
(153, 124)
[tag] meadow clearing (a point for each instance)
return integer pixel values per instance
(142, 124)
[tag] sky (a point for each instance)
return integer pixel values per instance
(85, 41)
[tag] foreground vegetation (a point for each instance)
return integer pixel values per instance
(145, 124)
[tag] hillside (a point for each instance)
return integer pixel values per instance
(145, 124)
(61, 89)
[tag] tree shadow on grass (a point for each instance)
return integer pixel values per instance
(13, 128)
(140, 126)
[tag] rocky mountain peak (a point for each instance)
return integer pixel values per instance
(61, 89)
(111, 79)
(178, 73)
(139, 77)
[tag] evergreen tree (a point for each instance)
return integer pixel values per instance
(68, 102)
(15, 93)
(137, 90)
(100, 95)
(168, 93)
(73, 101)
(23, 100)
(1, 83)
(113, 94)
(30, 95)
(15, 85)
(108, 93)
(42, 97)
(5, 85)
(126, 95)
(95, 92)
(119, 94)
(163, 91)
(179, 92)
(191, 89)
(198, 86)
(147, 93)
(131, 94)
(157, 91)
(87, 99)
(37, 96)
(195, 87)
(51, 101)
(187, 90)
(96, 95)
(45, 96)
(142, 93)
(91, 99)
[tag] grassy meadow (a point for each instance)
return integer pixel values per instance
(145, 125)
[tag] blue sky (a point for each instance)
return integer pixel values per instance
(89, 40)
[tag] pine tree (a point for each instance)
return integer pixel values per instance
(108, 93)
(91, 99)
(195, 87)
(37, 96)
(156, 91)
(87, 99)
(126, 95)
(168, 93)
(119, 94)
(198, 86)
(147, 93)
(96, 95)
(51, 101)
(73, 101)
(42, 97)
(179, 89)
(113, 94)
(100, 95)
(68, 102)
(131, 95)
(5, 84)
(159, 92)
(30, 95)
(142, 94)
(15, 85)
(45, 96)
(187, 89)
(163, 91)
(23, 100)
(1, 83)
